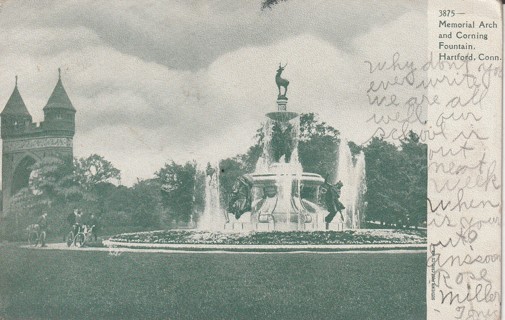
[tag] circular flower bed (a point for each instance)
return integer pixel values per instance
(365, 236)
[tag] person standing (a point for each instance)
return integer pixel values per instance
(93, 223)
(71, 217)
(42, 222)
(78, 222)
(71, 222)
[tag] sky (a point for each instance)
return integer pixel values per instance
(156, 81)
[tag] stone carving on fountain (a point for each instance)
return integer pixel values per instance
(241, 198)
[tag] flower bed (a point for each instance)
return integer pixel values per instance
(366, 236)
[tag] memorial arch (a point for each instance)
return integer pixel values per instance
(25, 142)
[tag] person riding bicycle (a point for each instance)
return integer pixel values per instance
(70, 221)
(78, 222)
(42, 222)
(71, 217)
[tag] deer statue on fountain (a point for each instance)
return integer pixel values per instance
(281, 82)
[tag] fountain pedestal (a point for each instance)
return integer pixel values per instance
(278, 205)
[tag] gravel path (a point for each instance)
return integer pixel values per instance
(331, 249)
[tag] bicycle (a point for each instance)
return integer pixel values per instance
(72, 236)
(84, 234)
(35, 235)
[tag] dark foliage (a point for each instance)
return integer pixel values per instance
(181, 194)
(268, 4)
(396, 181)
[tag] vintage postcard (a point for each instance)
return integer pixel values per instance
(262, 159)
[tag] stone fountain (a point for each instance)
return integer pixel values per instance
(279, 178)
(275, 186)
(270, 198)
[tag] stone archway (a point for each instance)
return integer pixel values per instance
(22, 173)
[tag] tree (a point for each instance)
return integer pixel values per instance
(146, 203)
(250, 158)
(415, 168)
(318, 144)
(177, 183)
(397, 181)
(384, 182)
(95, 170)
(355, 149)
(118, 206)
(53, 181)
(96, 177)
(311, 127)
(270, 3)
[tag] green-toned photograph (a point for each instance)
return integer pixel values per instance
(213, 160)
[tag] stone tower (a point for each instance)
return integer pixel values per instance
(26, 142)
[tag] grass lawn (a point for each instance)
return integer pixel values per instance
(50, 284)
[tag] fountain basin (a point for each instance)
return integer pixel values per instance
(282, 116)
(268, 179)
(276, 203)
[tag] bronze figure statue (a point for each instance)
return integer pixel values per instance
(332, 201)
(241, 198)
(281, 82)
(282, 142)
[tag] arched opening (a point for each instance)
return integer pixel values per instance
(22, 173)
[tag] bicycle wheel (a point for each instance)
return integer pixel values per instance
(79, 240)
(32, 238)
(70, 238)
